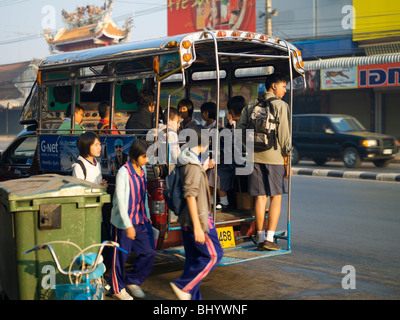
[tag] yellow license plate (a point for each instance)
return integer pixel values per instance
(226, 237)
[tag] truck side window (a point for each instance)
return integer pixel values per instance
(23, 153)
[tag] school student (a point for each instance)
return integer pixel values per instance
(271, 167)
(104, 124)
(173, 146)
(87, 167)
(65, 126)
(186, 108)
(131, 226)
(202, 248)
(226, 169)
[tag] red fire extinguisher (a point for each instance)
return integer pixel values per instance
(158, 207)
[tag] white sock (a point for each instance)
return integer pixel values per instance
(270, 235)
(224, 200)
(261, 236)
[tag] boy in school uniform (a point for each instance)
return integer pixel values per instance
(202, 248)
(65, 127)
(271, 172)
(104, 124)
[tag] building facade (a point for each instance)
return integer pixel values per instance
(352, 57)
(351, 49)
(16, 81)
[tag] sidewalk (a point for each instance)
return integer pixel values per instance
(393, 177)
(397, 158)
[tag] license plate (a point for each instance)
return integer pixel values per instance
(226, 237)
(387, 151)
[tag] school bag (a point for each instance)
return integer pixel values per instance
(264, 121)
(83, 167)
(173, 191)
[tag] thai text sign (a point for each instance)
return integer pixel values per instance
(379, 75)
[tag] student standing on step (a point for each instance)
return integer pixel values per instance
(270, 175)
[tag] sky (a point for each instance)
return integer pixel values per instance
(21, 23)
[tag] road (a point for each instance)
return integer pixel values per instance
(335, 223)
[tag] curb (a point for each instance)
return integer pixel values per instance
(392, 177)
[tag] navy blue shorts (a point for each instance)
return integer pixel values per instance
(267, 180)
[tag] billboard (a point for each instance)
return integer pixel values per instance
(379, 75)
(186, 16)
(339, 78)
(376, 20)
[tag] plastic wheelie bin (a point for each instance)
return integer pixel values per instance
(42, 209)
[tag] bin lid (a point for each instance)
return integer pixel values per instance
(49, 185)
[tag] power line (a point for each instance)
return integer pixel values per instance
(11, 2)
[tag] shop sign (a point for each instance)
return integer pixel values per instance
(339, 78)
(379, 75)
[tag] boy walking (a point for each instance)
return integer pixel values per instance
(202, 248)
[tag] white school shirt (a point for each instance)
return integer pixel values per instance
(93, 172)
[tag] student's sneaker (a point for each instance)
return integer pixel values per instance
(221, 206)
(122, 295)
(260, 246)
(270, 245)
(182, 295)
(135, 290)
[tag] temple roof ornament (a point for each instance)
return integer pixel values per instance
(88, 27)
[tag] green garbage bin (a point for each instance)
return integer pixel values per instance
(43, 209)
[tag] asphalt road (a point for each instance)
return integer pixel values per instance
(336, 223)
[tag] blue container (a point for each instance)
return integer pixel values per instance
(80, 291)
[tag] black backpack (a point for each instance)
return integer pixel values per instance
(83, 167)
(264, 121)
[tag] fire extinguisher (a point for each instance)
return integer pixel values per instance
(158, 212)
(158, 207)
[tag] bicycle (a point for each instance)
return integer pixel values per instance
(91, 270)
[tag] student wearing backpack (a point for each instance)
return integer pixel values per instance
(104, 124)
(202, 248)
(87, 167)
(269, 177)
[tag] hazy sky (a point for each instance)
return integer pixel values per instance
(21, 23)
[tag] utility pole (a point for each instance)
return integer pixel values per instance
(268, 15)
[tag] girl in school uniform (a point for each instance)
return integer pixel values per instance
(87, 167)
(131, 226)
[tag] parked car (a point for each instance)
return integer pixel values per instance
(329, 136)
(17, 160)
